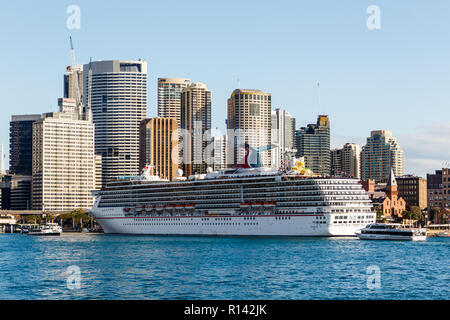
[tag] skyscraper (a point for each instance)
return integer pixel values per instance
(196, 122)
(21, 144)
(249, 116)
(336, 161)
(159, 146)
(314, 144)
(63, 162)
(73, 83)
(282, 135)
(219, 152)
(169, 97)
(116, 94)
(381, 154)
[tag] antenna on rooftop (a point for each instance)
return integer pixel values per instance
(239, 83)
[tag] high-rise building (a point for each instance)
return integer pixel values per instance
(63, 163)
(219, 152)
(116, 94)
(196, 124)
(249, 117)
(282, 136)
(169, 97)
(381, 154)
(336, 161)
(351, 154)
(21, 143)
(413, 189)
(159, 146)
(74, 76)
(314, 144)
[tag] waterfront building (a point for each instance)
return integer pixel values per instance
(413, 189)
(314, 144)
(393, 205)
(169, 97)
(446, 186)
(381, 154)
(63, 163)
(196, 125)
(282, 136)
(249, 117)
(435, 197)
(116, 94)
(438, 189)
(159, 146)
(20, 144)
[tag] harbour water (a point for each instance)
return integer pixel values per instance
(157, 267)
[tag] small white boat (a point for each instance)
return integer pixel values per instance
(50, 229)
(444, 234)
(382, 231)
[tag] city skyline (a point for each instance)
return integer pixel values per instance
(366, 76)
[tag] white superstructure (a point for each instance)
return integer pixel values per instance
(244, 201)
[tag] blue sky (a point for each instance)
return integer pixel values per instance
(396, 78)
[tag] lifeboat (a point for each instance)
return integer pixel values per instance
(190, 206)
(149, 208)
(179, 206)
(257, 204)
(139, 208)
(245, 205)
(269, 204)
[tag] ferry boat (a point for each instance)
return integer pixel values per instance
(243, 201)
(50, 229)
(381, 231)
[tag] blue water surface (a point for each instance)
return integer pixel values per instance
(159, 267)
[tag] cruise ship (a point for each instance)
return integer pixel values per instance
(244, 201)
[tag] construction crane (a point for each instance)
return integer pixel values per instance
(75, 69)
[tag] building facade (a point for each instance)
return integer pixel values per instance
(314, 144)
(116, 94)
(282, 136)
(393, 205)
(351, 154)
(63, 163)
(381, 154)
(219, 156)
(169, 97)
(249, 121)
(196, 128)
(21, 144)
(73, 83)
(159, 146)
(336, 162)
(438, 189)
(413, 190)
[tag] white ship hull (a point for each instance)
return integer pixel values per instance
(113, 220)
